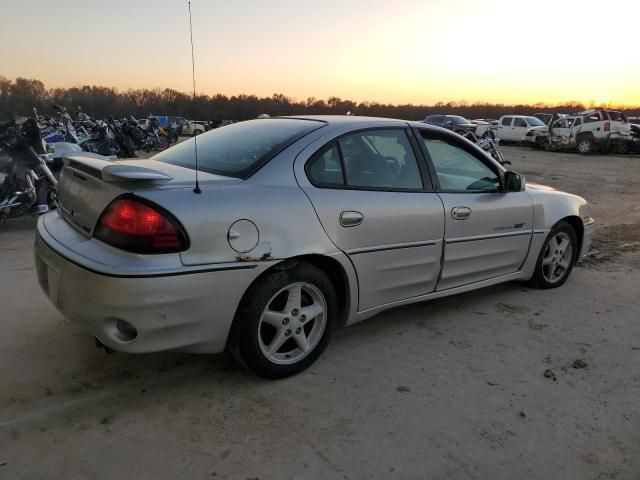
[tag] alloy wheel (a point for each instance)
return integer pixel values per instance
(557, 258)
(292, 323)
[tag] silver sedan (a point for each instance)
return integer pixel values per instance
(289, 228)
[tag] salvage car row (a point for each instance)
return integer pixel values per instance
(590, 131)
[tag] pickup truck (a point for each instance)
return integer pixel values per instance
(513, 128)
(586, 132)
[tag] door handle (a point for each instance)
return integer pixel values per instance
(460, 213)
(351, 219)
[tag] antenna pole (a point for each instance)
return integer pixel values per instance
(193, 77)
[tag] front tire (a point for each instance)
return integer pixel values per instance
(557, 257)
(284, 321)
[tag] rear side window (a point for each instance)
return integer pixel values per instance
(239, 149)
(617, 116)
(506, 121)
(380, 159)
(372, 160)
(325, 168)
(593, 117)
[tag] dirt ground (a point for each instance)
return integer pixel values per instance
(450, 389)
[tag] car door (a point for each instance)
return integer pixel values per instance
(504, 129)
(375, 201)
(564, 130)
(487, 231)
(519, 129)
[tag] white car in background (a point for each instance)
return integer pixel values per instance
(190, 127)
(513, 128)
(484, 125)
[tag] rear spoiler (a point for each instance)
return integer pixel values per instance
(101, 167)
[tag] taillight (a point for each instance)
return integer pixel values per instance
(607, 127)
(139, 226)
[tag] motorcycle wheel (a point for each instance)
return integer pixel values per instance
(160, 144)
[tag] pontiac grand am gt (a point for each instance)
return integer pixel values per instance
(302, 225)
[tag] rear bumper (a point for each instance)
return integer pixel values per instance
(187, 311)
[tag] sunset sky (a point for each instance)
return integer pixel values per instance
(401, 51)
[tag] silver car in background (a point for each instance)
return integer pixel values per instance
(302, 225)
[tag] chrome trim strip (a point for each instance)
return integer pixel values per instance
(488, 237)
(397, 246)
(539, 232)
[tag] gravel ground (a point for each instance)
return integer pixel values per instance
(484, 385)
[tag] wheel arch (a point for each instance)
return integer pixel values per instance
(587, 134)
(333, 268)
(578, 227)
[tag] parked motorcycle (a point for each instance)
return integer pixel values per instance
(488, 143)
(27, 185)
(110, 141)
(154, 139)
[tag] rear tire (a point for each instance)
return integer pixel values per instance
(274, 333)
(160, 144)
(557, 257)
(586, 145)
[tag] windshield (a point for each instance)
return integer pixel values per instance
(457, 120)
(237, 150)
(535, 122)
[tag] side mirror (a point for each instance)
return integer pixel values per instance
(513, 182)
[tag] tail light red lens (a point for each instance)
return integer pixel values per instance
(139, 226)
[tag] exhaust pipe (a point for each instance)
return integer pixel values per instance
(99, 344)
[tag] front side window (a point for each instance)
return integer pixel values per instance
(380, 159)
(459, 170)
(506, 121)
(519, 122)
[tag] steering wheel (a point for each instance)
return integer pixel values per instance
(393, 166)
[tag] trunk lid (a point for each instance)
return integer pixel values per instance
(89, 183)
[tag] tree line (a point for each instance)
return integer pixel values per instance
(20, 96)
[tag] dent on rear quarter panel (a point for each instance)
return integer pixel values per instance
(287, 225)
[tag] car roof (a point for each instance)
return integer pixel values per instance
(351, 120)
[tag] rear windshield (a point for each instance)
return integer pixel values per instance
(239, 149)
